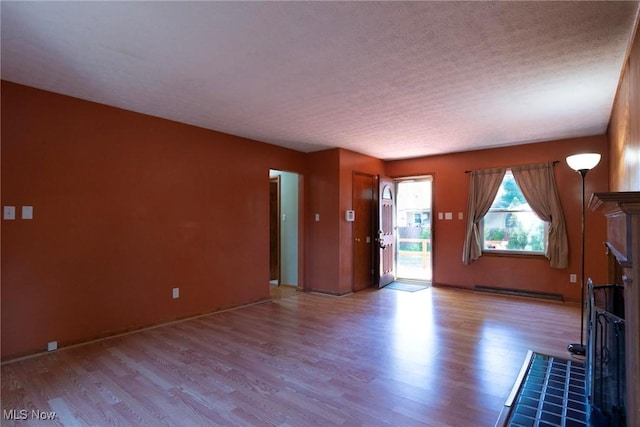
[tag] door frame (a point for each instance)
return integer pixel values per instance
(274, 224)
(286, 260)
(422, 177)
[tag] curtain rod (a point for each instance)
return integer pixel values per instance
(554, 162)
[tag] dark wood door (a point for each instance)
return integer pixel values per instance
(274, 229)
(386, 233)
(363, 227)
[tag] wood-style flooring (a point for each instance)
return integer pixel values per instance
(438, 357)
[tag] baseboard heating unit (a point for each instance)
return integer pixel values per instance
(519, 293)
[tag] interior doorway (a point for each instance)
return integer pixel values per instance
(413, 229)
(283, 228)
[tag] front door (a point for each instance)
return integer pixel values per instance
(386, 234)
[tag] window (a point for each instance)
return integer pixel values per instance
(511, 226)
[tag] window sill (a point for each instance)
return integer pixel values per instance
(509, 254)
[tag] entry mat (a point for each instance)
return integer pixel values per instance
(551, 393)
(407, 287)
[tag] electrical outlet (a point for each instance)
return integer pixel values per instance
(52, 345)
(176, 293)
(573, 278)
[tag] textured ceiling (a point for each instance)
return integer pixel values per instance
(391, 79)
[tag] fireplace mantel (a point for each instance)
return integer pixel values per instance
(622, 210)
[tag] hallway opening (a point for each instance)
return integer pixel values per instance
(283, 228)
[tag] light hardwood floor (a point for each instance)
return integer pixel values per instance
(437, 357)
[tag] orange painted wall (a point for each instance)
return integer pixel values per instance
(451, 186)
(624, 128)
(322, 247)
(351, 162)
(126, 207)
(329, 249)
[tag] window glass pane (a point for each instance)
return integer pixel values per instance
(509, 195)
(513, 231)
(510, 224)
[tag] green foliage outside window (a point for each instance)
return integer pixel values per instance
(495, 234)
(510, 225)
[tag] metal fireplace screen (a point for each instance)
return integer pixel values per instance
(606, 356)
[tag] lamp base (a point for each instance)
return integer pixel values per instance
(577, 349)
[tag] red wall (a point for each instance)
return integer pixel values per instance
(126, 207)
(351, 162)
(329, 250)
(450, 191)
(322, 237)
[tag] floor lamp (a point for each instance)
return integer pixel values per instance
(582, 163)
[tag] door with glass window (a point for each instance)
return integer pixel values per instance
(386, 235)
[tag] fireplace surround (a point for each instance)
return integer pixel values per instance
(613, 365)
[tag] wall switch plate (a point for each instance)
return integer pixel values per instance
(573, 278)
(448, 216)
(27, 212)
(439, 215)
(175, 293)
(52, 345)
(9, 212)
(460, 215)
(317, 217)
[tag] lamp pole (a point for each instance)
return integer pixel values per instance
(582, 163)
(580, 349)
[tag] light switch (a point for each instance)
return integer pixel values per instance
(460, 215)
(27, 212)
(9, 212)
(317, 217)
(439, 215)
